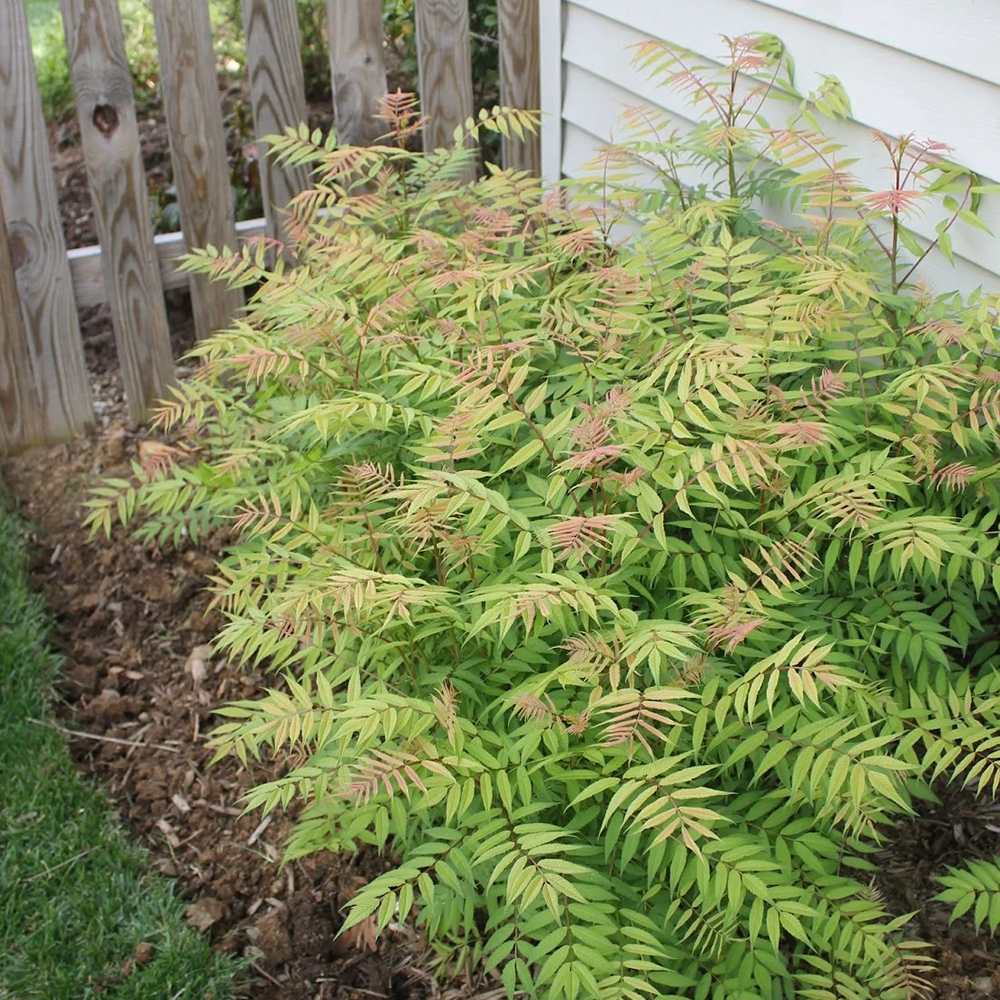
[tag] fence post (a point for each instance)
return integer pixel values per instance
(518, 24)
(277, 93)
(197, 148)
(110, 138)
(444, 57)
(42, 336)
(357, 68)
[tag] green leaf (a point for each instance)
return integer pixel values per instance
(523, 455)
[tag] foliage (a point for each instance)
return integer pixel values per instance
(75, 896)
(52, 67)
(975, 888)
(628, 567)
(49, 49)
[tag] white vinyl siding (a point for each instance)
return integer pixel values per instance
(921, 66)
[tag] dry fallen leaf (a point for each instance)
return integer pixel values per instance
(198, 662)
(168, 832)
(143, 953)
(362, 936)
(205, 912)
(261, 827)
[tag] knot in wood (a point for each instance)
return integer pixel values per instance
(22, 241)
(19, 253)
(105, 119)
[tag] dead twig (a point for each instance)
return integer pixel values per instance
(261, 827)
(55, 868)
(263, 972)
(103, 739)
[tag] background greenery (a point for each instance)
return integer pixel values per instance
(140, 41)
(76, 897)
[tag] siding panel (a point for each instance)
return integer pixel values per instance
(600, 80)
(889, 89)
(957, 34)
(580, 147)
(550, 36)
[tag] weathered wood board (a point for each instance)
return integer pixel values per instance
(519, 77)
(87, 270)
(110, 138)
(197, 148)
(278, 96)
(54, 400)
(445, 62)
(357, 68)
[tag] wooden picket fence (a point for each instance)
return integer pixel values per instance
(45, 392)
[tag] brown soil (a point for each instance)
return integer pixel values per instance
(952, 833)
(136, 697)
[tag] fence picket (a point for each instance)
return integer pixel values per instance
(110, 138)
(444, 57)
(20, 409)
(519, 81)
(357, 68)
(278, 95)
(51, 377)
(197, 148)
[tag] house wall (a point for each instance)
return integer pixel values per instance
(923, 66)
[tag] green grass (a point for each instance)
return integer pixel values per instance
(75, 896)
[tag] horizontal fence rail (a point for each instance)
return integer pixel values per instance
(45, 394)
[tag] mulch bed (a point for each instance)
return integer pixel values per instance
(960, 828)
(136, 700)
(136, 697)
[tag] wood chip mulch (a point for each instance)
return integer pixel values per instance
(136, 696)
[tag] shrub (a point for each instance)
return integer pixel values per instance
(627, 567)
